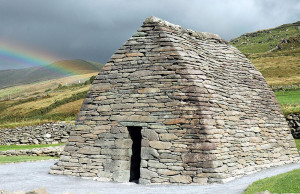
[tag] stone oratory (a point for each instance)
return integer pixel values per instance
(176, 106)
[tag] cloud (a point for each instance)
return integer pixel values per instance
(93, 30)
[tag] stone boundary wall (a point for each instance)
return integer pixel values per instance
(294, 123)
(48, 133)
(52, 133)
(54, 151)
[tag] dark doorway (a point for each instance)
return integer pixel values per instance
(136, 137)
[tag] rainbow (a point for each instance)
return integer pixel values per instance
(31, 57)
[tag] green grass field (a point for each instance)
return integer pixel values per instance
(23, 147)
(297, 141)
(283, 183)
(289, 101)
(13, 159)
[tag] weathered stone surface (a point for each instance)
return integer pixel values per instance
(181, 179)
(48, 133)
(89, 150)
(167, 136)
(160, 145)
(294, 123)
(175, 121)
(133, 118)
(167, 172)
(100, 87)
(205, 146)
(201, 181)
(148, 174)
(149, 153)
(150, 135)
(198, 157)
(54, 151)
(134, 54)
(123, 143)
(149, 90)
(76, 139)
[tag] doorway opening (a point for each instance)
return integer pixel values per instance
(135, 164)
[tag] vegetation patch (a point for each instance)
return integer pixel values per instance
(274, 52)
(279, 70)
(58, 103)
(24, 122)
(23, 147)
(283, 183)
(289, 100)
(297, 141)
(265, 40)
(13, 159)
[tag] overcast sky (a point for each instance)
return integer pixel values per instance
(95, 29)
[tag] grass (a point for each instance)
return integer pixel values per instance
(283, 183)
(28, 90)
(279, 70)
(264, 40)
(25, 122)
(62, 103)
(13, 159)
(289, 101)
(70, 108)
(297, 141)
(22, 147)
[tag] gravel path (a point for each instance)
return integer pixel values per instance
(32, 175)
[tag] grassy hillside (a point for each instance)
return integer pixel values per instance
(265, 40)
(41, 88)
(289, 100)
(275, 53)
(55, 102)
(15, 77)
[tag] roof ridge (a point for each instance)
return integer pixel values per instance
(196, 34)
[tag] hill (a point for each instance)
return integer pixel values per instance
(15, 77)
(46, 101)
(266, 40)
(275, 52)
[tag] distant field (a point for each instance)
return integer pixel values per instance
(274, 52)
(289, 101)
(264, 40)
(41, 88)
(23, 147)
(279, 70)
(61, 102)
(12, 159)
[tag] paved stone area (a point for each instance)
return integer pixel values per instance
(31, 175)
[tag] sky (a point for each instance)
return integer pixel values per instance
(38, 32)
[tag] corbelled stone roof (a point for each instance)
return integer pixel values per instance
(200, 35)
(203, 111)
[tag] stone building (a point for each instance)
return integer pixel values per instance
(176, 106)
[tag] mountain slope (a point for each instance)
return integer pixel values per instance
(265, 40)
(275, 53)
(56, 70)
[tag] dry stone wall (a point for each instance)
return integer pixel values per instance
(54, 151)
(205, 114)
(49, 133)
(294, 123)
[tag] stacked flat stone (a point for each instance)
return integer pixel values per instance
(48, 133)
(207, 115)
(54, 151)
(294, 123)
